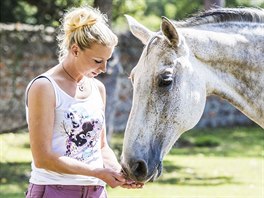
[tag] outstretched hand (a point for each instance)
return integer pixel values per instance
(111, 177)
(114, 179)
(131, 184)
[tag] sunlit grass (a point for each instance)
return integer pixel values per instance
(202, 177)
(211, 163)
(231, 167)
(14, 147)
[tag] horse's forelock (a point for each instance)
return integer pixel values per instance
(151, 41)
(158, 35)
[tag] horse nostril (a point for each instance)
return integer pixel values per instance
(140, 169)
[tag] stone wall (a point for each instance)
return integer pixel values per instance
(27, 51)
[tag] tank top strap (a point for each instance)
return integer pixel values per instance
(54, 85)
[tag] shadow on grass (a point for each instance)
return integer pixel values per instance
(26, 145)
(169, 167)
(14, 179)
(185, 175)
(188, 176)
(14, 172)
(228, 142)
(194, 180)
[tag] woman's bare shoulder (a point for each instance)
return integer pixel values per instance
(41, 89)
(41, 84)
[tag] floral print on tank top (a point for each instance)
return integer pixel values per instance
(83, 131)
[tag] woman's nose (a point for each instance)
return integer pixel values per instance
(103, 67)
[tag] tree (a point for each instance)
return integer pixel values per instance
(47, 12)
(105, 6)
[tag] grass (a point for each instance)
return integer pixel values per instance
(218, 163)
(15, 157)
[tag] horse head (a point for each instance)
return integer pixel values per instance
(168, 99)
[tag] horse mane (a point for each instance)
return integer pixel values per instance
(219, 15)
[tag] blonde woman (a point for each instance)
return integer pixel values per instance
(65, 113)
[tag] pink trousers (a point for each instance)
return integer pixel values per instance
(65, 191)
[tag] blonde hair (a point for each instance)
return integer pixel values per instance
(84, 26)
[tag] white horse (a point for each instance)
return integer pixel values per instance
(218, 52)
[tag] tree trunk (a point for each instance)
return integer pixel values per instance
(106, 7)
(208, 4)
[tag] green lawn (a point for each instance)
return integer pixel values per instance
(215, 163)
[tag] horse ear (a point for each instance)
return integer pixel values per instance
(169, 30)
(138, 30)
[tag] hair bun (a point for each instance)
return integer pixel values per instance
(78, 20)
(84, 26)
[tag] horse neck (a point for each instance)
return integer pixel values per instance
(232, 66)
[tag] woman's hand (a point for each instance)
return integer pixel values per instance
(130, 184)
(112, 178)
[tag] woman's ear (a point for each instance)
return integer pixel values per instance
(75, 50)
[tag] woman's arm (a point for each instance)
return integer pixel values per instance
(109, 157)
(41, 106)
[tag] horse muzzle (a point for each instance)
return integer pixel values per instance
(141, 171)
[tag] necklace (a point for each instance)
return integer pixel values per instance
(79, 85)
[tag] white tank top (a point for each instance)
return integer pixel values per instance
(77, 131)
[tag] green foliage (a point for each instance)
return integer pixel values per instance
(244, 3)
(48, 12)
(130, 7)
(149, 12)
(170, 10)
(173, 9)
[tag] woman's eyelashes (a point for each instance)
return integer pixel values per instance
(98, 61)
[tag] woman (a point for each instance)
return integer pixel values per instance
(65, 113)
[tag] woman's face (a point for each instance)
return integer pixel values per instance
(93, 61)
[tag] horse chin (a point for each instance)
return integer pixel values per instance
(156, 173)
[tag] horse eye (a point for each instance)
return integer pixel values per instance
(165, 79)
